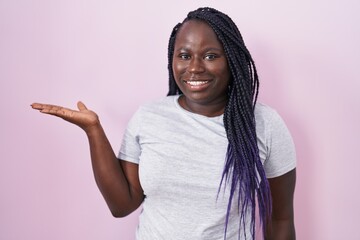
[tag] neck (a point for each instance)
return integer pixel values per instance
(206, 109)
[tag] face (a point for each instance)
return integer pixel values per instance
(200, 66)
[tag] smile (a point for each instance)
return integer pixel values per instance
(196, 83)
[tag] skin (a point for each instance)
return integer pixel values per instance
(282, 223)
(198, 56)
(118, 181)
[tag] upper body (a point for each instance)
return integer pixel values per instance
(181, 156)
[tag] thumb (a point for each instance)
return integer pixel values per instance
(81, 106)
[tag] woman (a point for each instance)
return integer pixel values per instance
(200, 159)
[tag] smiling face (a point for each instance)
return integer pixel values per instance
(200, 69)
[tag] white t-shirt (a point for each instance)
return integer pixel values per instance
(181, 157)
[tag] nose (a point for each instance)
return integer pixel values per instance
(196, 65)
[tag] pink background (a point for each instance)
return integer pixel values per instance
(112, 55)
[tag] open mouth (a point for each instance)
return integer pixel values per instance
(196, 83)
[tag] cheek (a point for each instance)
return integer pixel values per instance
(226, 72)
(227, 75)
(222, 71)
(175, 67)
(224, 77)
(178, 69)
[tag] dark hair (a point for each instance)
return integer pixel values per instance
(243, 167)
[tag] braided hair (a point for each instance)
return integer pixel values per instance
(243, 168)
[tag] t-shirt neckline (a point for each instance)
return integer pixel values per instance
(177, 104)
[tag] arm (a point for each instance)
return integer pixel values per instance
(282, 189)
(118, 182)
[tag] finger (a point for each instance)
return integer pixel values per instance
(56, 110)
(40, 106)
(81, 106)
(37, 106)
(63, 113)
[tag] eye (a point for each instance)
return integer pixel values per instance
(210, 56)
(184, 56)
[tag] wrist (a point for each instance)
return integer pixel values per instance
(94, 129)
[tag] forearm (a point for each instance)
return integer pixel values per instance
(109, 175)
(281, 230)
(112, 179)
(282, 226)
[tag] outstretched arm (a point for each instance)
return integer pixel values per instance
(282, 223)
(118, 181)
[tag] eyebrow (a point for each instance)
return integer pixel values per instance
(205, 50)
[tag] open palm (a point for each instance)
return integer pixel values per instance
(84, 118)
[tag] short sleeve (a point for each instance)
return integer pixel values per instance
(130, 148)
(280, 149)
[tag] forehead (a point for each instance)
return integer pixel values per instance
(196, 32)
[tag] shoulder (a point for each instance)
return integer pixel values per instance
(271, 129)
(263, 110)
(265, 115)
(269, 121)
(160, 108)
(151, 113)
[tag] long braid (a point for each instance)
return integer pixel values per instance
(243, 167)
(173, 88)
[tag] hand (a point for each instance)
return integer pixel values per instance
(84, 118)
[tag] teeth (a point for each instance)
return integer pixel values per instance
(196, 83)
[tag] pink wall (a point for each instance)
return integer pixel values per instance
(112, 55)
